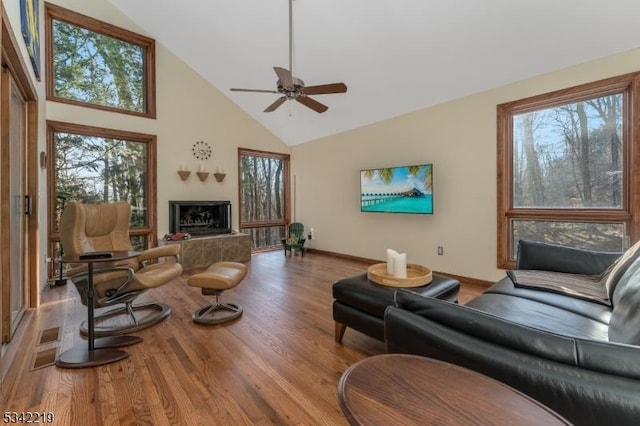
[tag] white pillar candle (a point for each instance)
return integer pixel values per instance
(400, 266)
(391, 257)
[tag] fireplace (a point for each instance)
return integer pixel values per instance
(200, 217)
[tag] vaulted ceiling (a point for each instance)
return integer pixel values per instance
(395, 56)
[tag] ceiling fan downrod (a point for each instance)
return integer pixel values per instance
(291, 36)
(293, 88)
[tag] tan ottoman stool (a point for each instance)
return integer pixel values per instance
(217, 278)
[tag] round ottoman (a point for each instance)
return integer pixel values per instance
(216, 279)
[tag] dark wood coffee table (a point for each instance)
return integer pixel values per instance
(398, 389)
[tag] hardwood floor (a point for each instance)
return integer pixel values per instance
(277, 364)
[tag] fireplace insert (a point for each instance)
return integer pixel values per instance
(200, 217)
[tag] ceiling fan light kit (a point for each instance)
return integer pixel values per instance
(293, 88)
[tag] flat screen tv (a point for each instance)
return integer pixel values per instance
(402, 189)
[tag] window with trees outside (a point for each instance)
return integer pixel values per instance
(567, 168)
(94, 64)
(96, 165)
(264, 196)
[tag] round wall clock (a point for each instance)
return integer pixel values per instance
(201, 150)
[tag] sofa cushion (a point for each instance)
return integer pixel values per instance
(594, 311)
(624, 326)
(550, 257)
(541, 316)
(618, 269)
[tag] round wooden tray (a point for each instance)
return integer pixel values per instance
(417, 276)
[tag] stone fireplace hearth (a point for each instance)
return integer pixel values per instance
(200, 252)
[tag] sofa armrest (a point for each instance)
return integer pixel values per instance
(490, 328)
(582, 396)
(587, 382)
(550, 257)
(604, 357)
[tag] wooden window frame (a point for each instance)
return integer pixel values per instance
(287, 189)
(629, 85)
(53, 127)
(53, 12)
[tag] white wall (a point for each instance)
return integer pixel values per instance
(459, 138)
(188, 109)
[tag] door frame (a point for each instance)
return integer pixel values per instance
(13, 60)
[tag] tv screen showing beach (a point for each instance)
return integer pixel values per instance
(406, 189)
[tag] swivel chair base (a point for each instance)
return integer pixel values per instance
(105, 324)
(217, 313)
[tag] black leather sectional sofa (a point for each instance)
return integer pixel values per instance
(578, 356)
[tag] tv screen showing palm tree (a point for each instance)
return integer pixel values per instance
(403, 189)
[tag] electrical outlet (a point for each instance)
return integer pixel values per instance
(440, 250)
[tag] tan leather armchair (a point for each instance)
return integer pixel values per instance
(86, 228)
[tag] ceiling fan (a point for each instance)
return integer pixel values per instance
(291, 87)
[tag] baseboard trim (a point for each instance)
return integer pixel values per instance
(461, 278)
(343, 256)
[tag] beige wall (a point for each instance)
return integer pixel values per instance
(459, 138)
(188, 109)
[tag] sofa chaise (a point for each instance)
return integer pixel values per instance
(573, 347)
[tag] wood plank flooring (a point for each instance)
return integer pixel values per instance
(277, 364)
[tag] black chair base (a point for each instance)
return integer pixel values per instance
(107, 325)
(217, 313)
(294, 249)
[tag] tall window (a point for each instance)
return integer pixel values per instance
(565, 168)
(94, 64)
(96, 165)
(264, 196)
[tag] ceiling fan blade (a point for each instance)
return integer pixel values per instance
(276, 104)
(253, 90)
(285, 77)
(313, 104)
(324, 89)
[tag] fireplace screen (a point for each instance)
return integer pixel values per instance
(200, 217)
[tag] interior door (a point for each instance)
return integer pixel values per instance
(15, 205)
